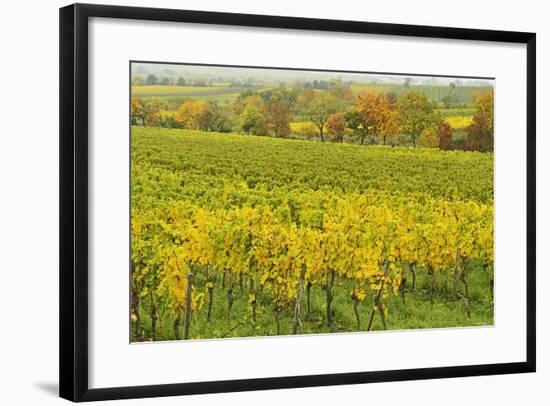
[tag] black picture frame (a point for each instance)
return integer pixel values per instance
(73, 254)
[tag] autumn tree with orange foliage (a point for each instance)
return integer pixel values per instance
(278, 114)
(480, 134)
(336, 126)
(137, 111)
(376, 115)
(195, 115)
(445, 134)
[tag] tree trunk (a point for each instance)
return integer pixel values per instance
(321, 133)
(297, 322)
(188, 297)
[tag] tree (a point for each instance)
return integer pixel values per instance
(165, 81)
(484, 102)
(151, 79)
(278, 118)
(429, 138)
(196, 115)
(445, 133)
(180, 81)
(153, 106)
(319, 108)
(253, 117)
(223, 119)
(341, 91)
(336, 126)
(415, 114)
(355, 123)
(377, 114)
(137, 111)
(480, 134)
(305, 98)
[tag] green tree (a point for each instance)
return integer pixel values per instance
(415, 114)
(151, 79)
(253, 117)
(319, 108)
(354, 121)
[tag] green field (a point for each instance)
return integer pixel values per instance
(221, 93)
(242, 213)
(435, 93)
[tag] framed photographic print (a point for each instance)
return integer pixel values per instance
(256, 202)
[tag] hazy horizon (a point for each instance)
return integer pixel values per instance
(289, 75)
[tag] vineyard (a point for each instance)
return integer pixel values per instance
(239, 235)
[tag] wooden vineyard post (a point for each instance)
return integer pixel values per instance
(297, 321)
(210, 300)
(308, 303)
(413, 273)
(176, 327)
(229, 304)
(328, 290)
(457, 272)
(188, 297)
(431, 273)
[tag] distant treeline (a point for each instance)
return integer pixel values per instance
(331, 111)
